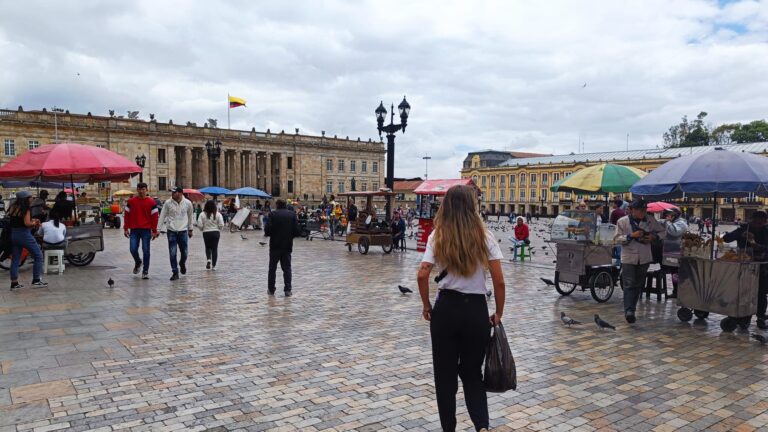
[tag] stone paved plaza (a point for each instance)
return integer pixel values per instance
(346, 352)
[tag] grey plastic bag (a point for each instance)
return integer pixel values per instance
(500, 373)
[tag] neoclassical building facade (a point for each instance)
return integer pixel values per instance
(285, 164)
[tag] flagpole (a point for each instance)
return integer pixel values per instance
(229, 108)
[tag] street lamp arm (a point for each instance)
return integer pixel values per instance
(390, 128)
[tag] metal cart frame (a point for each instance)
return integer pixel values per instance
(586, 265)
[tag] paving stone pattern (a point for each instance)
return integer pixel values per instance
(212, 352)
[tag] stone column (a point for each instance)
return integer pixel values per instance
(187, 179)
(283, 175)
(237, 158)
(252, 169)
(268, 172)
(205, 171)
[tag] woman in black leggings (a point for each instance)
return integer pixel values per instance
(211, 223)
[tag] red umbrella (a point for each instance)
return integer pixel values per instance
(194, 195)
(71, 162)
(658, 207)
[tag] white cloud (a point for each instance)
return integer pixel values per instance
(485, 74)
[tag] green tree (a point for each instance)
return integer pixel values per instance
(723, 134)
(755, 131)
(688, 134)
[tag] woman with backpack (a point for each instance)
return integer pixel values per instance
(21, 225)
(459, 323)
(211, 223)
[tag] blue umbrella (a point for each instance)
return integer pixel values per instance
(214, 190)
(249, 191)
(718, 174)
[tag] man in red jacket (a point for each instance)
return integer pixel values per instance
(140, 225)
(521, 236)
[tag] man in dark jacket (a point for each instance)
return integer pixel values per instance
(281, 229)
(753, 238)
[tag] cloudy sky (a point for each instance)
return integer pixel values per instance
(478, 74)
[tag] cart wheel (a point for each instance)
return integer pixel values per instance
(363, 244)
(349, 247)
(387, 249)
(304, 233)
(601, 286)
(684, 314)
(81, 259)
(117, 222)
(564, 288)
(700, 314)
(744, 322)
(728, 324)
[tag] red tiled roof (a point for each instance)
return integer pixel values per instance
(407, 185)
(526, 154)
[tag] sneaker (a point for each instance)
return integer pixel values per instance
(183, 268)
(630, 317)
(288, 293)
(16, 285)
(208, 265)
(175, 276)
(145, 275)
(39, 284)
(761, 324)
(271, 292)
(213, 268)
(136, 268)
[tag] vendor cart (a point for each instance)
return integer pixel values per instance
(242, 219)
(584, 255)
(725, 287)
(428, 202)
(368, 230)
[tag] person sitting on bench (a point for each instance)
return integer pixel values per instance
(520, 237)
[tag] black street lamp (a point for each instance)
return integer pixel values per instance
(404, 109)
(141, 161)
(541, 210)
(214, 152)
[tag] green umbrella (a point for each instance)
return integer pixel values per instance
(600, 179)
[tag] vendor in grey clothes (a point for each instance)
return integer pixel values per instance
(635, 232)
(675, 227)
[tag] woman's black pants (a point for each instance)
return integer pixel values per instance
(211, 240)
(460, 333)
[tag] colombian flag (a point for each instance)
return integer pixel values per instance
(235, 102)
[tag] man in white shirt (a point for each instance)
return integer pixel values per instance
(176, 220)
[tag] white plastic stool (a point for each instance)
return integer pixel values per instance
(56, 255)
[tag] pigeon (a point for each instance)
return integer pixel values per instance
(547, 281)
(110, 282)
(602, 324)
(585, 84)
(404, 290)
(568, 320)
(263, 243)
(760, 338)
(489, 293)
(243, 237)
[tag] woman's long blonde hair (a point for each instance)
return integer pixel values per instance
(460, 235)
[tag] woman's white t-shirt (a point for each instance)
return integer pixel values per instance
(53, 235)
(474, 284)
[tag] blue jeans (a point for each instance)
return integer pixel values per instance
(180, 239)
(143, 235)
(21, 238)
(516, 243)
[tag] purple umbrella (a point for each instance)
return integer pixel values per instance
(718, 174)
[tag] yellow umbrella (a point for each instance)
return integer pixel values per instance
(124, 192)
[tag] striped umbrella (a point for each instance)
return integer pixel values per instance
(600, 179)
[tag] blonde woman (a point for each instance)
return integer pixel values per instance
(459, 321)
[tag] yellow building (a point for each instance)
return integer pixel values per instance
(521, 184)
(285, 164)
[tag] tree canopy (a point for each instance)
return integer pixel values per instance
(696, 133)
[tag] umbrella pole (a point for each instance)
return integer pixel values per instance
(714, 225)
(74, 197)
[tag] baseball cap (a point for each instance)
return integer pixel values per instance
(178, 189)
(639, 203)
(23, 194)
